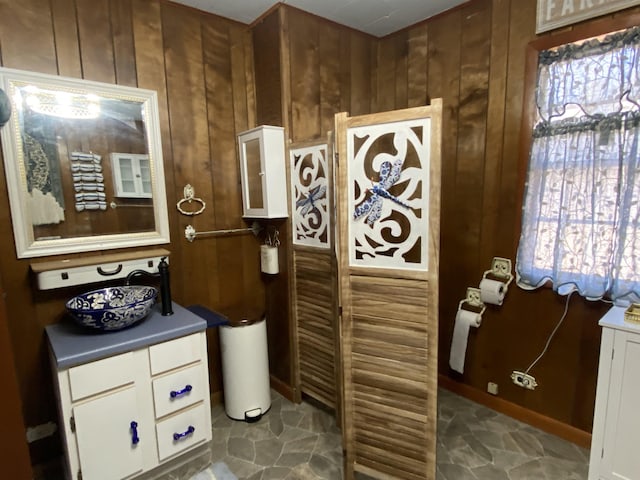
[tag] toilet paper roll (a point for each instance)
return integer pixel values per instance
(464, 320)
(492, 291)
(269, 259)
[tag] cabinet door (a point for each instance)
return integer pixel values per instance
(263, 171)
(131, 175)
(620, 459)
(106, 445)
(252, 170)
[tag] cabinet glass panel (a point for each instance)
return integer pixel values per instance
(254, 173)
(127, 177)
(145, 175)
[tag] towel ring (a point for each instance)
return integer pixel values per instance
(189, 198)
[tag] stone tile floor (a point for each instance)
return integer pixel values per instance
(474, 443)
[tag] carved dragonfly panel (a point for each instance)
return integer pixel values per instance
(310, 192)
(388, 178)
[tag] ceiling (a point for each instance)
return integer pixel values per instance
(376, 17)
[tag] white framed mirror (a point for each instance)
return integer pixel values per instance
(57, 147)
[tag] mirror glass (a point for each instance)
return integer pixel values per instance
(83, 162)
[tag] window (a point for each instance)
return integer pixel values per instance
(581, 213)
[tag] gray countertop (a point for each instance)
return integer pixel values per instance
(73, 345)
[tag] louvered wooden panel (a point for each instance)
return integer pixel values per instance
(390, 374)
(388, 208)
(315, 313)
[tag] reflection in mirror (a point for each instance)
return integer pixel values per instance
(84, 165)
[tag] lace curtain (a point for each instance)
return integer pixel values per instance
(581, 213)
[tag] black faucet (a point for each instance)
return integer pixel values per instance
(165, 285)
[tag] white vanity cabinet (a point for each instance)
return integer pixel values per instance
(129, 413)
(616, 425)
(263, 172)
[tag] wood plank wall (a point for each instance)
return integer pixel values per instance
(202, 68)
(474, 58)
(306, 70)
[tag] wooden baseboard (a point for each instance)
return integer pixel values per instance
(547, 424)
(216, 397)
(282, 388)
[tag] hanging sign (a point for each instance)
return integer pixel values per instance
(557, 13)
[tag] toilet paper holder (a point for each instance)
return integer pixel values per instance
(473, 300)
(500, 270)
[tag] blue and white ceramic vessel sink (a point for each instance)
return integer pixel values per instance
(113, 308)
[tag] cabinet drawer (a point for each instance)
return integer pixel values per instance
(101, 375)
(187, 386)
(175, 353)
(172, 432)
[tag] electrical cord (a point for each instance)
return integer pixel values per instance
(546, 347)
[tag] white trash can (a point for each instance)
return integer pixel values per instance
(245, 367)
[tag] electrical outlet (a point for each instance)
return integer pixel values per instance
(492, 388)
(524, 380)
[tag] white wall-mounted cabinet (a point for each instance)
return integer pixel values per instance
(263, 172)
(131, 175)
(616, 423)
(126, 414)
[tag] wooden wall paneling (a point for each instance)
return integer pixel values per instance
(278, 314)
(345, 72)
(586, 363)
(362, 74)
(417, 67)
(444, 82)
(222, 140)
(521, 32)
(96, 41)
(401, 70)
(500, 14)
(242, 82)
(494, 364)
(543, 307)
(150, 70)
(26, 36)
(330, 76)
(387, 82)
(123, 47)
(266, 50)
(304, 45)
(250, 79)
(15, 452)
(190, 140)
(65, 29)
(474, 87)
(221, 121)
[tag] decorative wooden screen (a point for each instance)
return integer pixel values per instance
(388, 209)
(315, 272)
(310, 193)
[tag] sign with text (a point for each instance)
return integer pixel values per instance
(557, 13)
